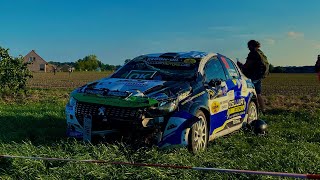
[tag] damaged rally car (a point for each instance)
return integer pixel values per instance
(172, 99)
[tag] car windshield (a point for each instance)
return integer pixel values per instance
(158, 68)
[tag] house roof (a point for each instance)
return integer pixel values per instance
(33, 51)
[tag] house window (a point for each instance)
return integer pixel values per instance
(42, 67)
(31, 59)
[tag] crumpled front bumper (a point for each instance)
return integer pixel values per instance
(176, 131)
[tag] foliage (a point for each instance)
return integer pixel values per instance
(88, 63)
(13, 73)
(92, 63)
(62, 63)
(292, 69)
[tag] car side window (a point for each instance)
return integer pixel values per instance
(214, 70)
(232, 70)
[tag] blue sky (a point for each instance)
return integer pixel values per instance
(114, 30)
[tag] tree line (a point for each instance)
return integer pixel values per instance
(88, 63)
(291, 69)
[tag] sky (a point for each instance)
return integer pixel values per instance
(116, 30)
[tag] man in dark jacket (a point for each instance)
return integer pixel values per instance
(256, 68)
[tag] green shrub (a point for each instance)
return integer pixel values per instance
(13, 73)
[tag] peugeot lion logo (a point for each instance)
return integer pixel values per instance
(102, 111)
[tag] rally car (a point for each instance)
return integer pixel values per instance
(170, 99)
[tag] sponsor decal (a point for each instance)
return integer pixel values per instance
(225, 62)
(224, 105)
(236, 121)
(189, 61)
(230, 94)
(215, 107)
(193, 97)
(234, 81)
(236, 107)
(211, 93)
(136, 84)
(139, 74)
(244, 89)
(162, 59)
(118, 93)
(183, 95)
(96, 91)
(169, 63)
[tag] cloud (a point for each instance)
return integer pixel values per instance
(270, 41)
(295, 35)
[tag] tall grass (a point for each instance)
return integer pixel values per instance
(35, 126)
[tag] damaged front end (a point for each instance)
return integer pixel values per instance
(148, 117)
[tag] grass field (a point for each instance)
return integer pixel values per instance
(36, 127)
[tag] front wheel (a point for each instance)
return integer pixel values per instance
(198, 137)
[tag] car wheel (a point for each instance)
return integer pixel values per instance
(198, 137)
(252, 112)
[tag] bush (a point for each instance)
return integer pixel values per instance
(13, 73)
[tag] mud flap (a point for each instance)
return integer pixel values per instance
(87, 126)
(177, 130)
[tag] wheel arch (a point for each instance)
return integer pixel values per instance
(195, 107)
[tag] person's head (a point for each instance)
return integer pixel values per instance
(253, 45)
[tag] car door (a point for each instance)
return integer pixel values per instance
(237, 103)
(217, 95)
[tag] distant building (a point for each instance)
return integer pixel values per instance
(66, 68)
(36, 63)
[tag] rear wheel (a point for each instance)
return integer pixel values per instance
(252, 112)
(198, 137)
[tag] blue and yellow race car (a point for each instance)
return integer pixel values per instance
(168, 99)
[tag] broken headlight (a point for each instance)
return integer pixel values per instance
(166, 106)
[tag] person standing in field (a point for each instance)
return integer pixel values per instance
(317, 67)
(256, 68)
(69, 70)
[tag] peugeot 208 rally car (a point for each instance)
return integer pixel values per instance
(171, 99)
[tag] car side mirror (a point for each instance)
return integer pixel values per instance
(215, 82)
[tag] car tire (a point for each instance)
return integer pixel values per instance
(252, 112)
(198, 136)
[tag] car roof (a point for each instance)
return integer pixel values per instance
(190, 54)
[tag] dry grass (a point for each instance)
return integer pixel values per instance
(62, 80)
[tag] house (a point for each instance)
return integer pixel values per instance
(66, 68)
(37, 63)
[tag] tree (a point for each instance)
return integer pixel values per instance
(13, 73)
(88, 63)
